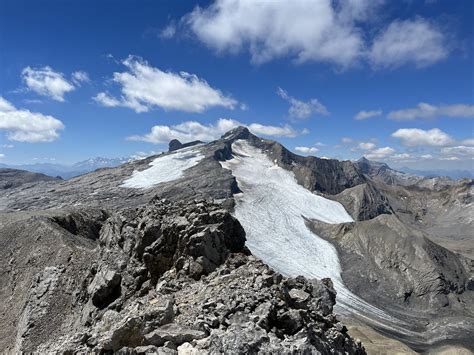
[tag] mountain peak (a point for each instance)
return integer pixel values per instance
(239, 132)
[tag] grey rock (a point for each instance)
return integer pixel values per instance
(104, 288)
(173, 333)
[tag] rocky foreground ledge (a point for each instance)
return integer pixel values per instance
(165, 278)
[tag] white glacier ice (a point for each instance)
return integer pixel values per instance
(271, 210)
(165, 168)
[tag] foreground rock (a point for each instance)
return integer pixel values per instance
(166, 278)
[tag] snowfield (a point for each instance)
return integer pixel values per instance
(164, 168)
(272, 208)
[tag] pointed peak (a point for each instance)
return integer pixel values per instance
(240, 132)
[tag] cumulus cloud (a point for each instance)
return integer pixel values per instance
(301, 109)
(306, 30)
(427, 111)
(307, 150)
(193, 130)
(412, 137)
(46, 82)
(347, 140)
(409, 42)
(26, 126)
(363, 115)
(379, 153)
(337, 32)
(144, 87)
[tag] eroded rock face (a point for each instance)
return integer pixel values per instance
(171, 277)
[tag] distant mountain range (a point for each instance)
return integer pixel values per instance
(453, 174)
(69, 171)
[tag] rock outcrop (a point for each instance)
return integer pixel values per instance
(160, 278)
(175, 144)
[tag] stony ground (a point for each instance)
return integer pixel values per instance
(166, 278)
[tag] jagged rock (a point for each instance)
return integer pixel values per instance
(175, 144)
(173, 333)
(186, 282)
(104, 288)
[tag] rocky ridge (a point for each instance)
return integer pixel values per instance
(167, 278)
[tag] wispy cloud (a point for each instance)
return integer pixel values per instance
(169, 31)
(427, 111)
(144, 87)
(415, 42)
(363, 115)
(302, 109)
(307, 150)
(193, 130)
(79, 77)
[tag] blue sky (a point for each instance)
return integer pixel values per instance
(80, 79)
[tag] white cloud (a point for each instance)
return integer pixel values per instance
(27, 126)
(412, 137)
(307, 30)
(307, 150)
(144, 87)
(192, 130)
(459, 151)
(363, 115)
(346, 140)
(469, 141)
(427, 111)
(46, 82)
(426, 156)
(450, 158)
(409, 42)
(380, 153)
(106, 100)
(275, 131)
(7, 146)
(2, 155)
(301, 109)
(338, 32)
(79, 77)
(169, 31)
(366, 145)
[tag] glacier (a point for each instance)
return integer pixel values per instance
(272, 209)
(165, 168)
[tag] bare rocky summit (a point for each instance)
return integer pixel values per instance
(163, 278)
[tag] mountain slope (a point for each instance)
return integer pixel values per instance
(276, 195)
(12, 178)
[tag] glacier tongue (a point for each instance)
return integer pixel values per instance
(165, 168)
(272, 208)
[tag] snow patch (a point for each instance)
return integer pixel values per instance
(272, 209)
(164, 168)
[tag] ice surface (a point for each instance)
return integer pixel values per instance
(272, 208)
(165, 168)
